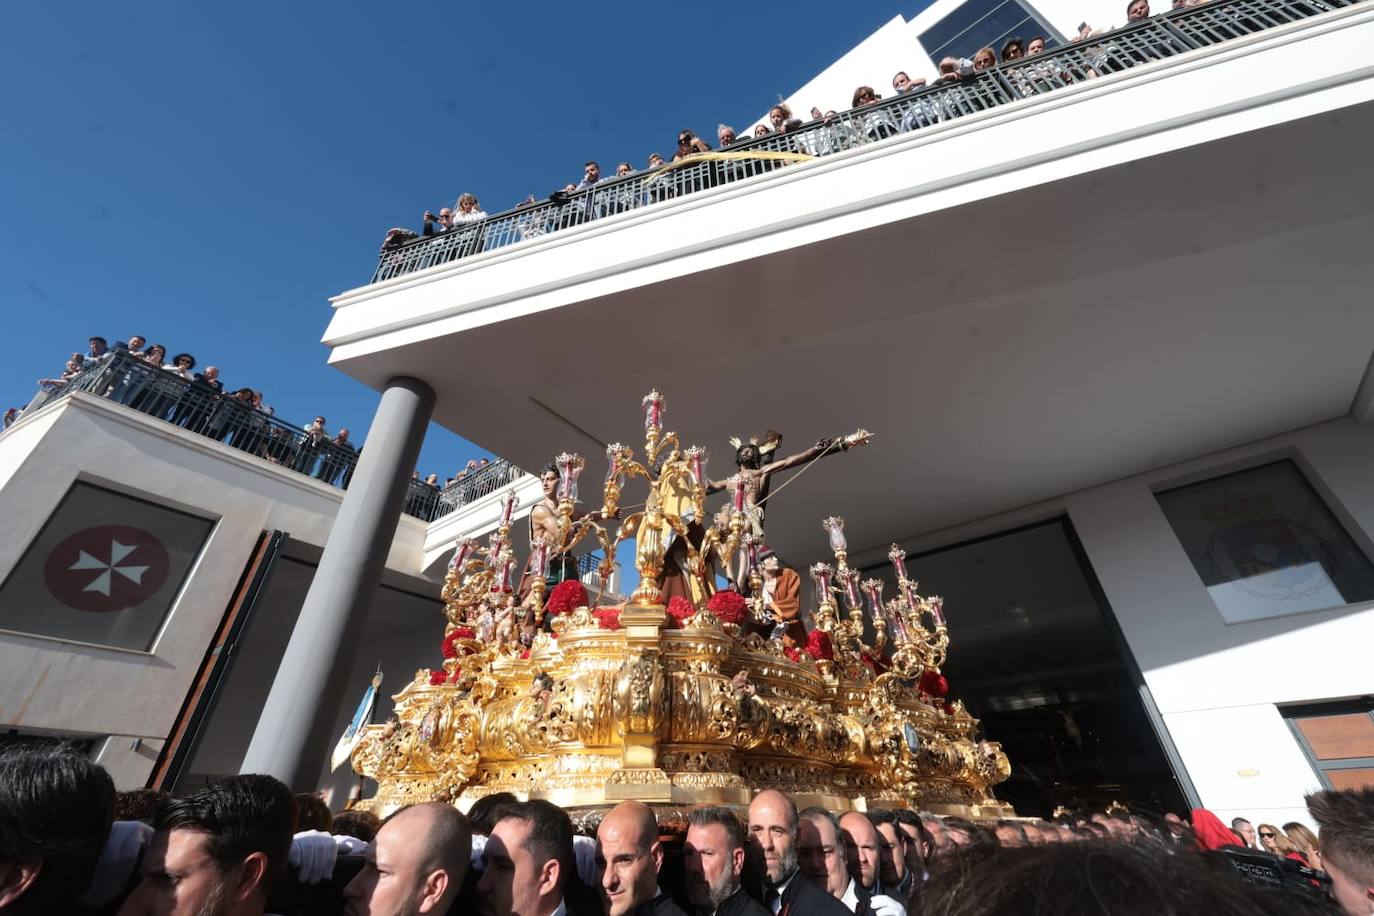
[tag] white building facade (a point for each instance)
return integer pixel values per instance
(1114, 345)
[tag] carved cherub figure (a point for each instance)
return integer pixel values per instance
(541, 690)
(739, 684)
(484, 624)
(390, 727)
(505, 624)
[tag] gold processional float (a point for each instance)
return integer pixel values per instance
(686, 702)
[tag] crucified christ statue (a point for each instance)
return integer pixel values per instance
(757, 476)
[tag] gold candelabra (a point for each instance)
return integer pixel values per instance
(627, 701)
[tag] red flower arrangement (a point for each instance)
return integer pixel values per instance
(525, 653)
(679, 609)
(451, 641)
(728, 606)
(568, 595)
(608, 618)
(819, 647)
(437, 677)
(949, 707)
(933, 683)
(792, 653)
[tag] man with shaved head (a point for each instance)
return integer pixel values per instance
(628, 857)
(863, 847)
(773, 831)
(415, 864)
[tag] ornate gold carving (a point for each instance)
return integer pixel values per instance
(586, 716)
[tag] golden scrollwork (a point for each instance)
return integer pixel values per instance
(608, 707)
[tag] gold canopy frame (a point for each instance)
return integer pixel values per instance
(617, 702)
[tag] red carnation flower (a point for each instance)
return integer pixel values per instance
(728, 606)
(608, 618)
(566, 596)
(679, 609)
(819, 647)
(437, 677)
(933, 683)
(949, 707)
(793, 653)
(525, 653)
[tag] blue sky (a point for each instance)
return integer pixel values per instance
(209, 174)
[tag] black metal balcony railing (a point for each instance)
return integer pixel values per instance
(1141, 42)
(476, 484)
(200, 409)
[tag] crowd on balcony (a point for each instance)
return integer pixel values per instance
(141, 376)
(1039, 69)
(247, 845)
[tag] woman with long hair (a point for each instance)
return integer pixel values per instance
(1275, 841)
(1305, 841)
(467, 209)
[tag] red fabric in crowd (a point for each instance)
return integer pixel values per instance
(1211, 832)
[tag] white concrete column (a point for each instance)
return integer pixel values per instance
(292, 732)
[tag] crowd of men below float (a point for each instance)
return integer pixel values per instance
(203, 408)
(246, 845)
(467, 209)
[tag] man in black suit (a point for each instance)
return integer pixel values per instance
(896, 878)
(821, 854)
(628, 857)
(528, 863)
(773, 828)
(713, 859)
(863, 846)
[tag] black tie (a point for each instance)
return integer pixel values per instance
(771, 898)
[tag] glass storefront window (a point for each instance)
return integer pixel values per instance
(1033, 655)
(1265, 545)
(982, 23)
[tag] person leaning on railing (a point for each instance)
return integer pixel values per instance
(689, 144)
(310, 446)
(133, 389)
(469, 210)
(75, 366)
(339, 456)
(228, 414)
(170, 397)
(249, 423)
(444, 222)
(198, 400)
(877, 125)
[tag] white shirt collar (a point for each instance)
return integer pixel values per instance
(850, 897)
(561, 909)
